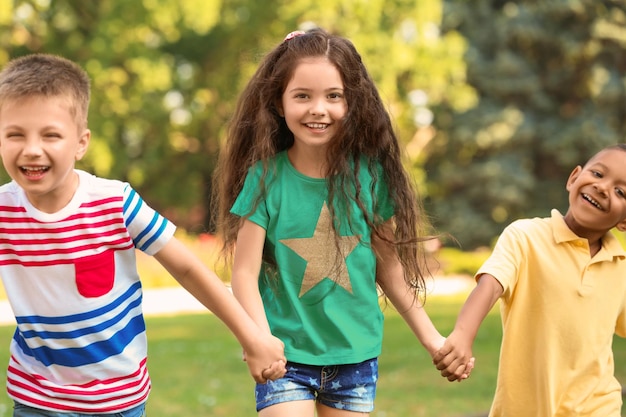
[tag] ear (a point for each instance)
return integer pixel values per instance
(621, 226)
(83, 144)
(573, 177)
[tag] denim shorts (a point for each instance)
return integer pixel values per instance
(21, 410)
(345, 387)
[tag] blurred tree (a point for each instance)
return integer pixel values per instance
(166, 75)
(119, 44)
(551, 84)
(399, 40)
(215, 64)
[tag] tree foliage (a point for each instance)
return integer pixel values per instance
(551, 85)
(166, 74)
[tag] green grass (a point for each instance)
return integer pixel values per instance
(197, 370)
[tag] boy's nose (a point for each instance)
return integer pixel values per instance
(601, 187)
(32, 147)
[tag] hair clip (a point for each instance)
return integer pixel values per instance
(293, 34)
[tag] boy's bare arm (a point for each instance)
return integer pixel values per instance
(458, 346)
(263, 350)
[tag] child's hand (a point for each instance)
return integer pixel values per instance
(266, 358)
(274, 372)
(454, 359)
(438, 344)
(468, 370)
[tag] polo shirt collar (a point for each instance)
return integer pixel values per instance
(611, 247)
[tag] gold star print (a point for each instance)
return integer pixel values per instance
(321, 253)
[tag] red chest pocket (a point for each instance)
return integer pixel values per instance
(95, 275)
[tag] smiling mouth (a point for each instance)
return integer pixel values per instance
(318, 126)
(33, 171)
(593, 202)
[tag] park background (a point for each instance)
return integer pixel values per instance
(495, 101)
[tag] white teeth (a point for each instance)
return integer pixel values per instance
(592, 201)
(34, 170)
(317, 125)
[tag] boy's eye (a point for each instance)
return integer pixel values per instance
(14, 135)
(620, 192)
(596, 174)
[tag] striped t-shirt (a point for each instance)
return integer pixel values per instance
(71, 279)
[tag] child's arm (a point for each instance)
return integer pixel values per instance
(246, 266)
(390, 277)
(458, 346)
(265, 355)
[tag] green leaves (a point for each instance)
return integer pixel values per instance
(166, 75)
(551, 92)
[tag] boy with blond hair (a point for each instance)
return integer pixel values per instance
(67, 259)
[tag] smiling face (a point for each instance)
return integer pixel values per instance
(313, 103)
(39, 144)
(597, 195)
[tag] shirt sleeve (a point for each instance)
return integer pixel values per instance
(149, 230)
(505, 260)
(249, 202)
(620, 326)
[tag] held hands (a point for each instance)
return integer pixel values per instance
(454, 359)
(266, 358)
(275, 371)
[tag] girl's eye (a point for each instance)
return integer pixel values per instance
(620, 192)
(596, 174)
(335, 96)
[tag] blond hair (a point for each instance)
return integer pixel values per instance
(44, 75)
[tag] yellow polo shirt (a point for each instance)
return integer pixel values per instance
(560, 310)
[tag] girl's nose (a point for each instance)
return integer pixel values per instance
(317, 108)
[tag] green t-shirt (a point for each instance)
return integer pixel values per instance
(325, 315)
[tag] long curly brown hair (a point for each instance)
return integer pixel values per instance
(257, 132)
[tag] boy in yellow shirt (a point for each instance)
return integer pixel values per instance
(562, 285)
